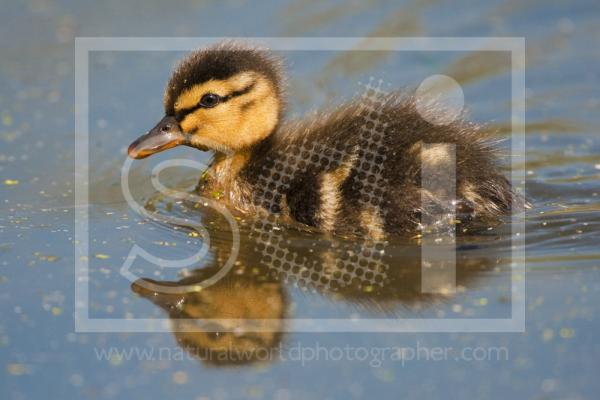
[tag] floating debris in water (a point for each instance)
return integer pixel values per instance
(16, 369)
(385, 375)
(11, 182)
(7, 120)
(43, 257)
(567, 333)
(116, 360)
(547, 335)
(165, 243)
(76, 380)
(101, 256)
(180, 377)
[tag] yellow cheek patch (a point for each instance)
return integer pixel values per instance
(191, 122)
(238, 122)
(225, 116)
(192, 96)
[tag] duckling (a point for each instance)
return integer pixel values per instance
(355, 170)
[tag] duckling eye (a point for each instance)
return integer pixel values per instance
(210, 100)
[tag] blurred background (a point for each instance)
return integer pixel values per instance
(42, 357)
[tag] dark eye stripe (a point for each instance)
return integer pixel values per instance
(238, 92)
(181, 114)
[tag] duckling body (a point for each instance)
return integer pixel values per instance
(355, 170)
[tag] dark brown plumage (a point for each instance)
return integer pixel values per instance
(483, 192)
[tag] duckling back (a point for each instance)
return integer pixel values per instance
(358, 170)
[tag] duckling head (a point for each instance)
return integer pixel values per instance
(225, 98)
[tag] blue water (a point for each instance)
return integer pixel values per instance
(41, 355)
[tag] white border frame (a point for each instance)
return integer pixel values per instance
(514, 45)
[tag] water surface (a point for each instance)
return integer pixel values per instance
(42, 356)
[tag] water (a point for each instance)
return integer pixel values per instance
(556, 357)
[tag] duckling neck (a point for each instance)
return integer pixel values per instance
(222, 181)
(225, 169)
(229, 176)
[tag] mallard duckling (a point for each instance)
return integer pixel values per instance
(353, 171)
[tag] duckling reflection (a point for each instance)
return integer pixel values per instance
(224, 340)
(260, 293)
(401, 288)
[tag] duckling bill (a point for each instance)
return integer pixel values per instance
(165, 135)
(229, 99)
